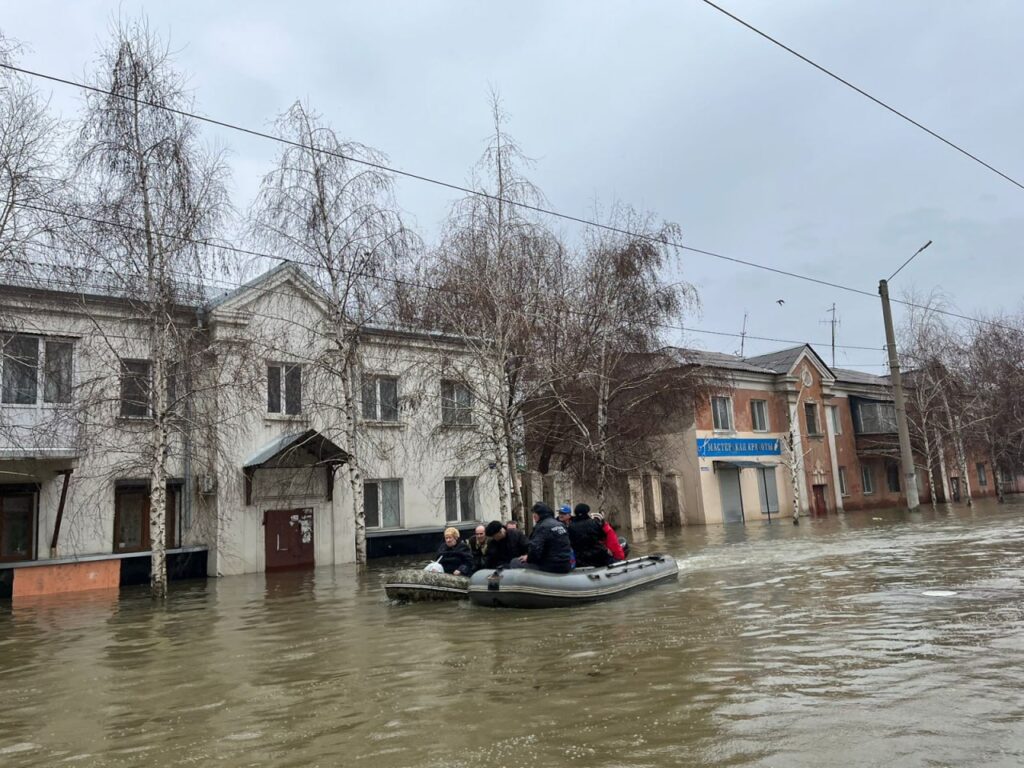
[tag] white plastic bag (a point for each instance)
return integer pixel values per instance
(434, 568)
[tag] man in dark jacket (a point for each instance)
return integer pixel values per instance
(549, 543)
(503, 545)
(587, 537)
(454, 556)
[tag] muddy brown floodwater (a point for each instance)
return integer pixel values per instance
(878, 638)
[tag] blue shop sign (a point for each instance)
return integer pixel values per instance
(714, 447)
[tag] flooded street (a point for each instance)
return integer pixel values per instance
(870, 639)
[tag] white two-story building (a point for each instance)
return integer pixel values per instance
(259, 459)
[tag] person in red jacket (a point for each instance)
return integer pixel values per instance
(611, 538)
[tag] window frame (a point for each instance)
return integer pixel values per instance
(892, 478)
(843, 487)
(835, 421)
(146, 400)
(729, 411)
(979, 468)
(461, 515)
(753, 418)
(453, 414)
(284, 369)
(379, 481)
(175, 504)
(42, 377)
(867, 480)
(810, 408)
(378, 416)
(32, 493)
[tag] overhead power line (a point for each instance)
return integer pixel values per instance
(437, 182)
(230, 285)
(477, 193)
(865, 94)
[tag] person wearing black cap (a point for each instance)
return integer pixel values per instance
(503, 545)
(549, 543)
(587, 538)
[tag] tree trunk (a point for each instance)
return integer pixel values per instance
(794, 475)
(355, 473)
(158, 471)
(929, 458)
(996, 478)
(958, 447)
(941, 450)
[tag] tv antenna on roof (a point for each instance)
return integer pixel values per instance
(743, 334)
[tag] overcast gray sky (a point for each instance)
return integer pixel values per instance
(667, 105)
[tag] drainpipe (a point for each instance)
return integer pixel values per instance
(60, 511)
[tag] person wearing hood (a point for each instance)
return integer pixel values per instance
(454, 555)
(587, 537)
(549, 543)
(611, 538)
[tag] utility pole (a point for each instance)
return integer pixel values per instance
(743, 335)
(833, 322)
(906, 456)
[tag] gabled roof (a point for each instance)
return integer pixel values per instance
(859, 377)
(270, 281)
(718, 360)
(773, 364)
(782, 362)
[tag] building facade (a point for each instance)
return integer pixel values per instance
(784, 434)
(258, 463)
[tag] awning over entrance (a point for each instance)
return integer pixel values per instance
(313, 447)
(309, 441)
(719, 464)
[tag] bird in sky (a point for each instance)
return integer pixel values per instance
(780, 302)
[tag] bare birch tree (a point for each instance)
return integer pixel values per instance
(492, 278)
(609, 380)
(151, 195)
(328, 206)
(30, 176)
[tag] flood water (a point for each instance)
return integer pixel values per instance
(871, 639)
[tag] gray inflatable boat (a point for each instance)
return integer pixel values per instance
(414, 585)
(525, 588)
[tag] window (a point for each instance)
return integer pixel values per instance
(866, 479)
(892, 477)
(721, 413)
(459, 504)
(834, 420)
(131, 517)
(284, 388)
(982, 475)
(382, 502)
(135, 388)
(456, 404)
(759, 415)
(811, 414)
(842, 481)
(380, 398)
(875, 417)
(17, 522)
(24, 358)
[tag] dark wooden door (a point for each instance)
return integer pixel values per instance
(289, 538)
(820, 505)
